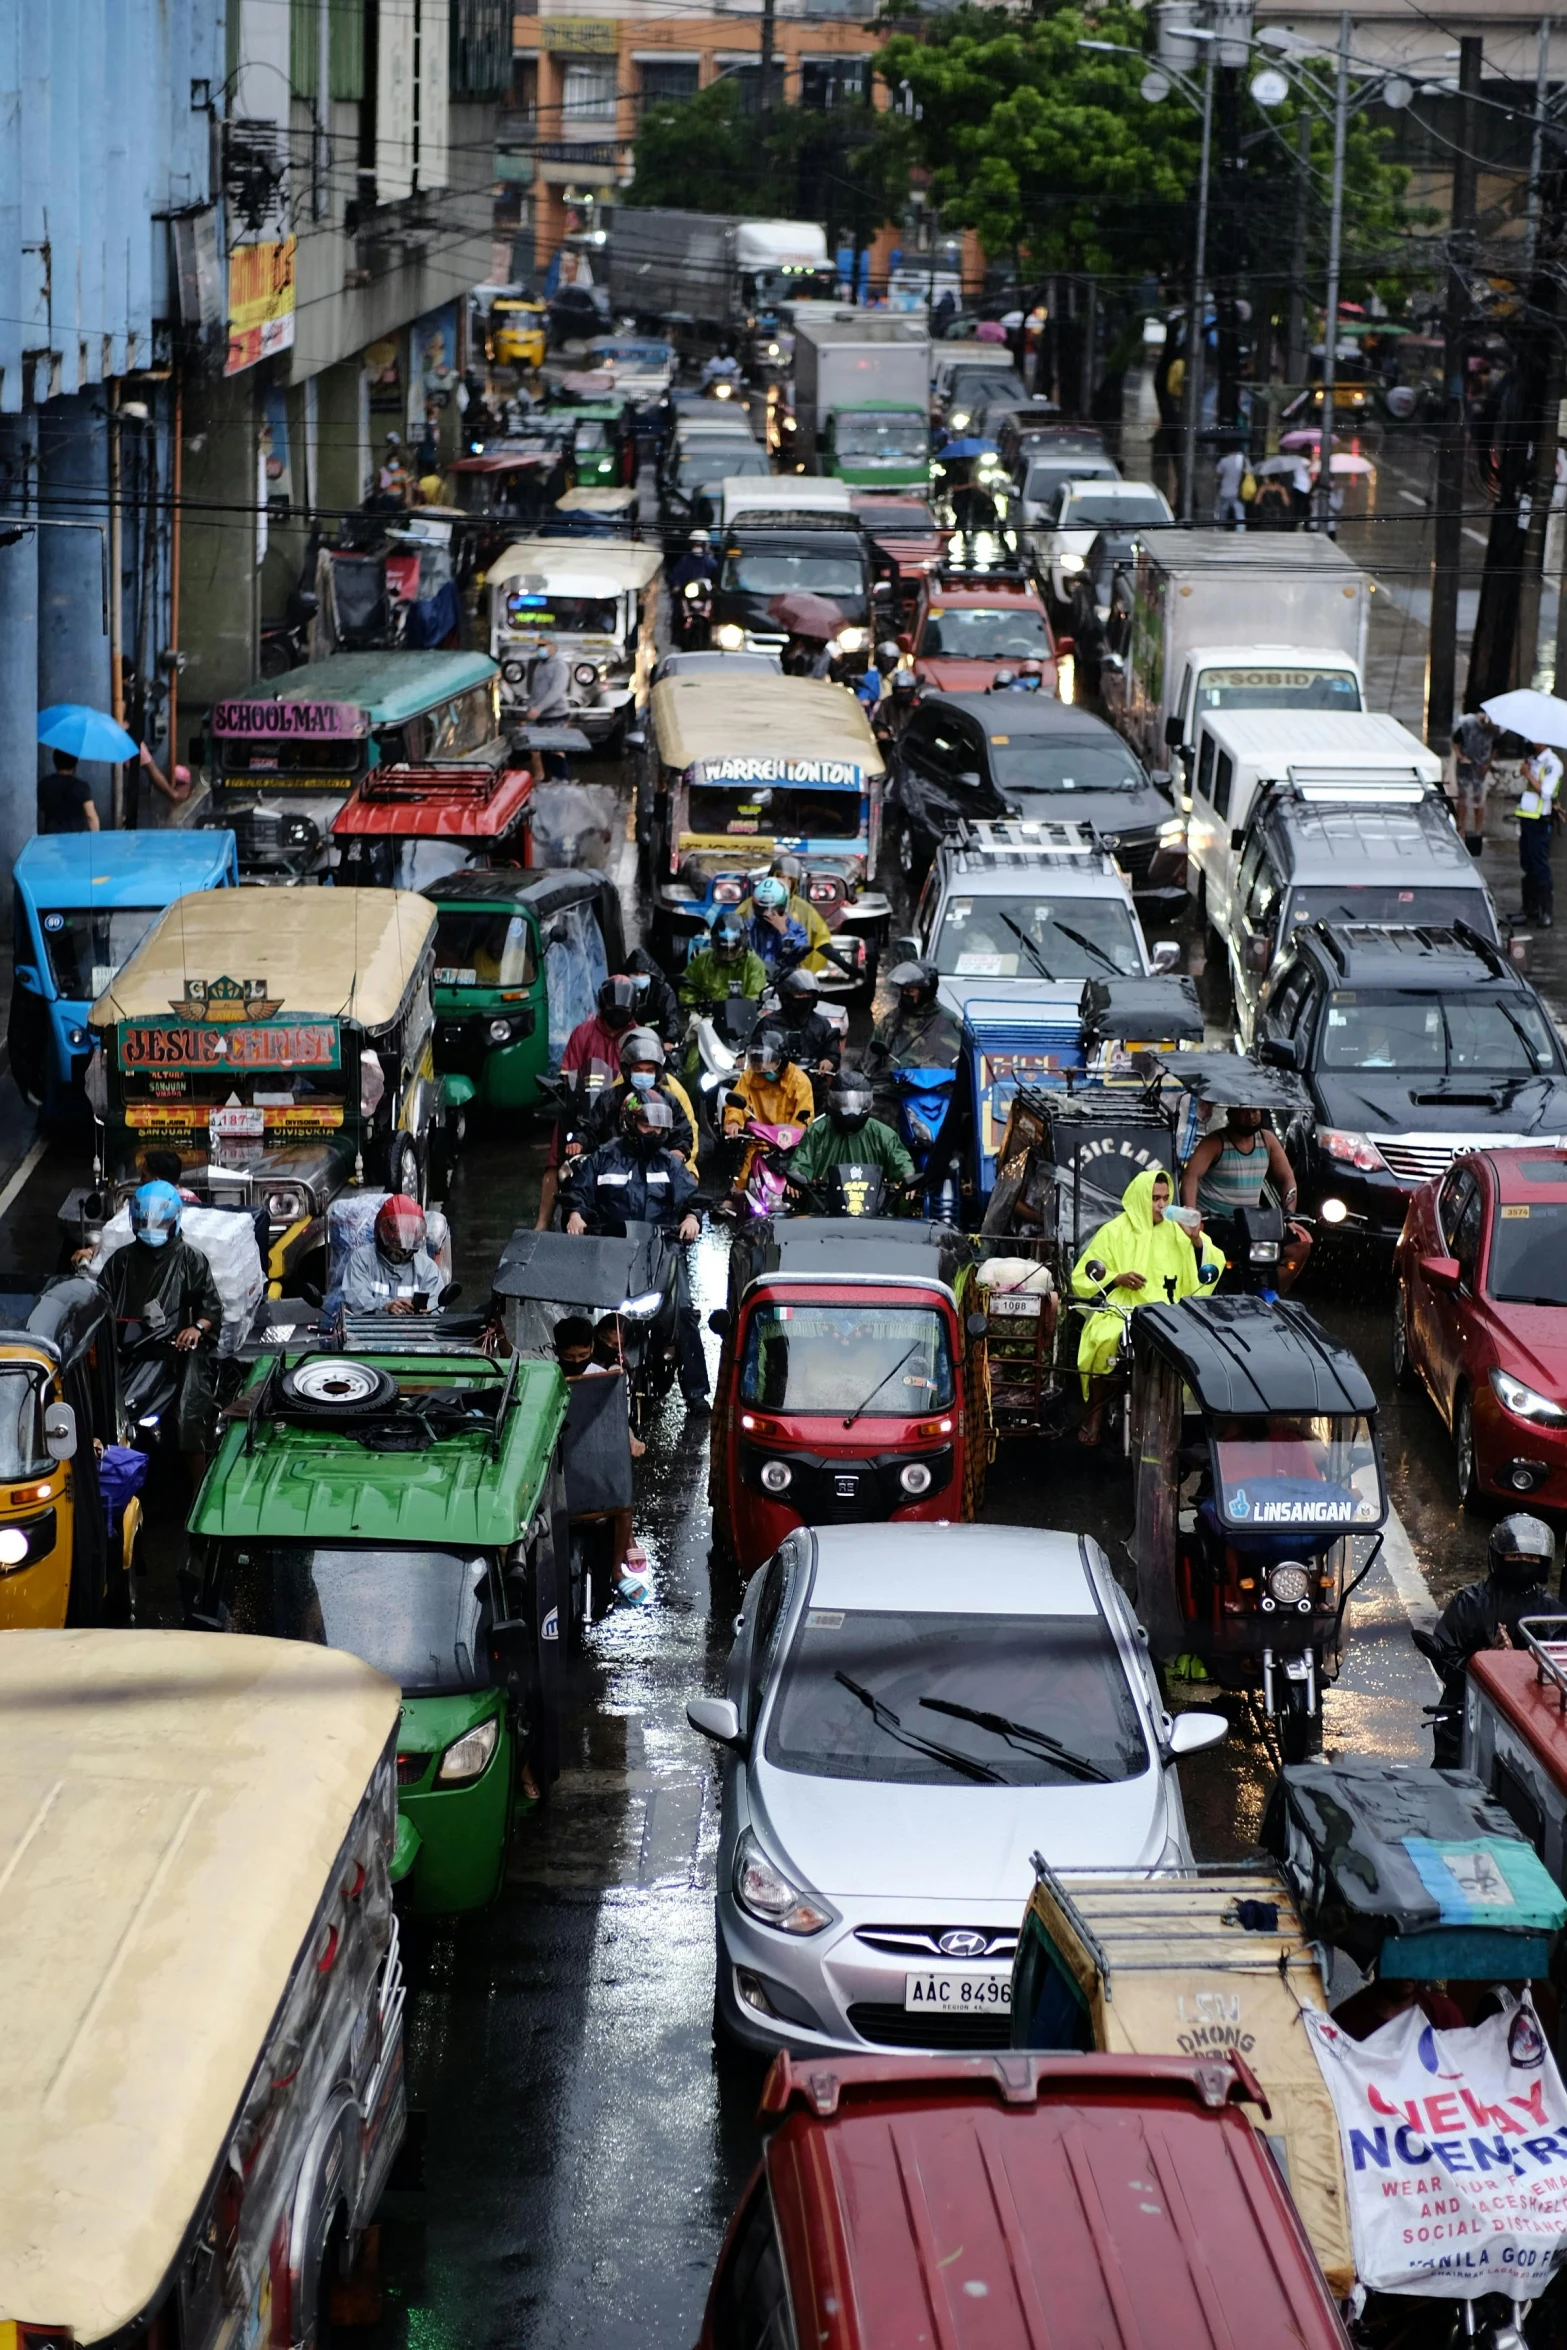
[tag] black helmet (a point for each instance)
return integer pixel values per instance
(1520, 1553)
(618, 1000)
(798, 987)
(647, 1113)
(916, 983)
(768, 1051)
(727, 937)
(905, 684)
(641, 1044)
(850, 1101)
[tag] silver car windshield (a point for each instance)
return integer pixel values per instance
(1056, 1704)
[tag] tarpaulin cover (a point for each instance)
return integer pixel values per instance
(596, 1447)
(1146, 1009)
(545, 1275)
(1455, 2153)
(1381, 1855)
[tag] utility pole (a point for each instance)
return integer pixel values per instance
(1194, 324)
(1295, 338)
(1542, 91)
(1227, 239)
(1448, 522)
(764, 103)
(1324, 499)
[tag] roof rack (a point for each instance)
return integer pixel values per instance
(432, 783)
(1326, 787)
(1550, 1656)
(969, 567)
(1431, 936)
(1030, 840)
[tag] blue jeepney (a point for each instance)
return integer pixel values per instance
(84, 902)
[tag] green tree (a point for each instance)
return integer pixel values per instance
(845, 165)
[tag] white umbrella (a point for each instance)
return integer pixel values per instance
(1539, 718)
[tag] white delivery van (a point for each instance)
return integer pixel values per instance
(746, 496)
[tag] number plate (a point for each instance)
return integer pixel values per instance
(957, 1994)
(237, 1121)
(1015, 1301)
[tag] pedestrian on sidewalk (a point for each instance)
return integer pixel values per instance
(1229, 508)
(1474, 748)
(65, 801)
(1542, 776)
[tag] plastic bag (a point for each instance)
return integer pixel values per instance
(226, 1237)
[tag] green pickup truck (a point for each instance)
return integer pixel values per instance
(407, 1504)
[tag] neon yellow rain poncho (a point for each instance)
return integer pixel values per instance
(1133, 1243)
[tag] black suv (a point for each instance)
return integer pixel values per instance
(1414, 1044)
(981, 757)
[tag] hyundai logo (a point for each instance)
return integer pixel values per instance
(962, 1943)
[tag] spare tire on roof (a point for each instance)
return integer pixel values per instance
(336, 1387)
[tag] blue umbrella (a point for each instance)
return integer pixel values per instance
(969, 446)
(85, 733)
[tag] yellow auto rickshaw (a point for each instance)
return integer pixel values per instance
(517, 332)
(59, 1390)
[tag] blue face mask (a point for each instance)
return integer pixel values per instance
(644, 1079)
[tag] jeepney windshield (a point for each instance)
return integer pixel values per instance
(1286, 1470)
(416, 1615)
(576, 615)
(22, 1451)
(894, 1360)
(465, 723)
(487, 949)
(778, 811)
(86, 946)
(309, 758)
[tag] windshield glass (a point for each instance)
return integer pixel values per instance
(21, 1432)
(974, 388)
(702, 469)
(591, 433)
(783, 811)
(1032, 762)
(1435, 909)
(578, 615)
(882, 436)
(416, 1615)
(752, 573)
(1317, 1471)
(1529, 1249)
(1491, 1036)
(1100, 510)
(830, 1358)
(1045, 481)
(986, 632)
(1277, 689)
(1056, 1675)
(1063, 938)
(342, 758)
(486, 949)
(85, 949)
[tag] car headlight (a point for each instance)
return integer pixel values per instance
(1288, 1583)
(763, 1891)
(958, 419)
(776, 1476)
(585, 673)
(1072, 562)
(1172, 834)
(731, 637)
(514, 671)
(467, 1757)
(849, 640)
(1352, 1150)
(499, 1032)
(772, 350)
(914, 1477)
(284, 1206)
(78, 1039)
(1524, 1403)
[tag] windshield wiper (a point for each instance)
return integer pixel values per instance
(885, 1719)
(1029, 949)
(1089, 948)
(907, 1356)
(1022, 1734)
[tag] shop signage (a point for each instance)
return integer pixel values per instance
(261, 303)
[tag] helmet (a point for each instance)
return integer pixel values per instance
(1520, 1553)
(768, 1051)
(888, 654)
(640, 1044)
(915, 982)
(799, 987)
(399, 1228)
(849, 1102)
(905, 684)
(1031, 668)
(787, 868)
(155, 1214)
(647, 1114)
(771, 894)
(702, 539)
(1002, 679)
(727, 938)
(618, 1001)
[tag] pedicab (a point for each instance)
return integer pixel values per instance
(1257, 1468)
(851, 1384)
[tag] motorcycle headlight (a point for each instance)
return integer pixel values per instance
(1288, 1583)
(78, 1039)
(499, 1032)
(731, 638)
(467, 1756)
(914, 1477)
(694, 588)
(1352, 1150)
(1264, 1252)
(776, 1476)
(1173, 833)
(1524, 1403)
(643, 1308)
(772, 350)
(764, 1892)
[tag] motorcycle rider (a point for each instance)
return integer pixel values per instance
(791, 873)
(637, 1177)
(1227, 1170)
(643, 1070)
(726, 966)
(1520, 1559)
(916, 1034)
(1027, 678)
(595, 1039)
(893, 710)
(656, 1005)
(164, 1287)
(814, 1043)
(1138, 1259)
(846, 1132)
(691, 582)
(393, 1272)
(769, 1089)
(773, 932)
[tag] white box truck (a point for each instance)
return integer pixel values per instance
(720, 271)
(1254, 620)
(861, 398)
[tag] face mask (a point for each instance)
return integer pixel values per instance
(643, 1079)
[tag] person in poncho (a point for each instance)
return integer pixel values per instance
(1146, 1260)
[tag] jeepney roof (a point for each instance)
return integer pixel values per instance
(1241, 1356)
(171, 1808)
(391, 686)
(301, 1482)
(435, 803)
(761, 715)
(541, 891)
(599, 501)
(579, 567)
(351, 953)
(122, 868)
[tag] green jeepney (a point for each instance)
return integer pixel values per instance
(520, 954)
(403, 1500)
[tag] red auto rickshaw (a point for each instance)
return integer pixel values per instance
(1515, 1734)
(852, 1386)
(404, 827)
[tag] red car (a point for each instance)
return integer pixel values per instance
(1480, 1318)
(988, 2202)
(972, 623)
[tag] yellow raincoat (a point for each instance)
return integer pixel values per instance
(1133, 1243)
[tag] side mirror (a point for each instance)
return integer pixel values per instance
(60, 1432)
(978, 1325)
(27, 978)
(1442, 1272)
(511, 1646)
(1096, 1269)
(1066, 646)
(970, 779)
(906, 949)
(457, 1092)
(1190, 1733)
(717, 1718)
(1166, 954)
(1278, 1052)
(1237, 837)
(1172, 730)
(718, 1321)
(1259, 952)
